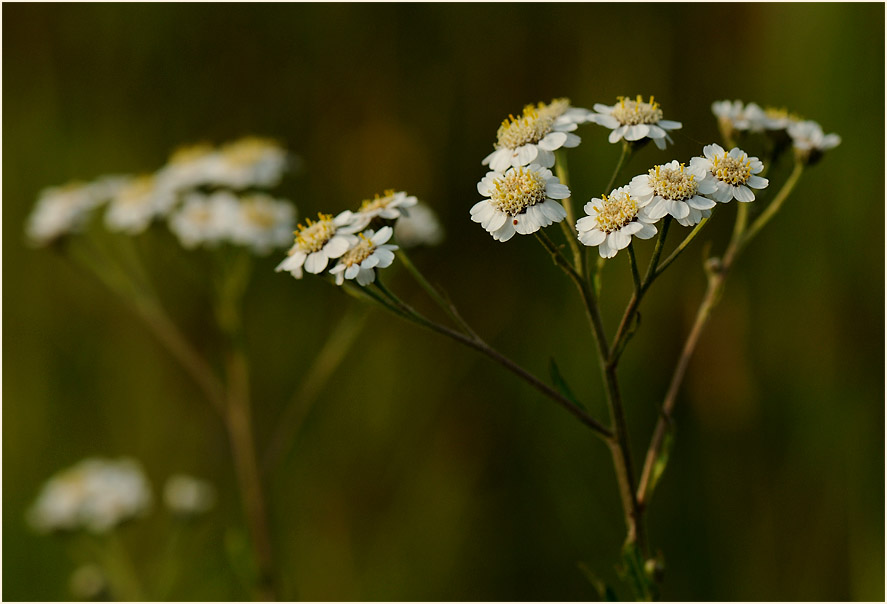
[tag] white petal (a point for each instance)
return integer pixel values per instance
(504, 233)
(606, 250)
(661, 142)
(657, 208)
(616, 135)
(700, 203)
(351, 271)
(383, 235)
(572, 141)
(619, 240)
(647, 231)
(669, 125)
(316, 262)
(631, 228)
(524, 155)
(366, 276)
(553, 140)
(336, 246)
(496, 220)
(608, 121)
(637, 132)
(556, 191)
(678, 209)
(553, 210)
(655, 131)
(712, 151)
(605, 109)
(482, 211)
(592, 237)
(386, 257)
(545, 158)
(757, 182)
(724, 192)
(525, 224)
(743, 193)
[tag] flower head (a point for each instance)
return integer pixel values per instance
(317, 243)
(263, 223)
(634, 120)
(810, 142)
(205, 220)
(519, 201)
(733, 173)
(390, 205)
(188, 496)
(535, 134)
(419, 227)
(189, 167)
(250, 162)
(62, 210)
(367, 253)
(612, 220)
(675, 189)
(137, 203)
(95, 494)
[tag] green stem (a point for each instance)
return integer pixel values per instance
(774, 205)
(405, 311)
(636, 277)
(681, 246)
(627, 150)
(433, 292)
(325, 363)
(569, 225)
(122, 574)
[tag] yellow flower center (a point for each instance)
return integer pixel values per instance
(360, 252)
(630, 113)
(248, 150)
(379, 202)
(517, 190)
(731, 170)
(530, 127)
(136, 191)
(312, 236)
(615, 211)
(184, 155)
(671, 183)
(259, 212)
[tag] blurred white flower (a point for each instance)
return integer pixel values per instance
(390, 205)
(519, 201)
(188, 496)
(137, 203)
(734, 173)
(368, 253)
(675, 189)
(263, 223)
(317, 243)
(190, 167)
(96, 494)
(249, 162)
(809, 139)
(535, 135)
(736, 116)
(634, 120)
(612, 220)
(419, 227)
(62, 210)
(205, 219)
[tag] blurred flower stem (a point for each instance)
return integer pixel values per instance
(118, 567)
(717, 271)
(569, 225)
(331, 354)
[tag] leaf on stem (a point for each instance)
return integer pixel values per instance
(632, 571)
(661, 462)
(561, 384)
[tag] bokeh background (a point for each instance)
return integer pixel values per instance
(423, 471)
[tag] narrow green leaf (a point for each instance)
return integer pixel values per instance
(605, 592)
(561, 384)
(633, 573)
(661, 462)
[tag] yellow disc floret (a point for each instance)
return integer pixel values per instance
(672, 183)
(136, 191)
(360, 252)
(379, 202)
(616, 211)
(630, 112)
(259, 211)
(247, 151)
(517, 190)
(312, 236)
(731, 170)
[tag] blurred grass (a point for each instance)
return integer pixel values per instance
(424, 472)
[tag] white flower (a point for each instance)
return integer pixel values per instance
(419, 227)
(263, 223)
(736, 116)
(612, 220)
(205, 219)
(250, 162)
(62, 210)
(190, 167)
(674, 189)
(317, 243)
(137, 203)
(519, 201)
(390, 206)
(535, 135)
(188, 496)
(778, 118)
(808, 137)
(368, 253)
(635, 120)
(733, 173)
(95, 494)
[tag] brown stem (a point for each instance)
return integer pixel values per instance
(239, 424)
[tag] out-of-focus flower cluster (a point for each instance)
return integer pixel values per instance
(98, 495)
(522, 195)
(208, 195)
(358, 249)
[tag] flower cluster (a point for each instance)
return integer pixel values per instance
(634, 120)
(358, 249)
(206, 194)
(96, 494)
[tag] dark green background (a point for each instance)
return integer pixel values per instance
(424, 472)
